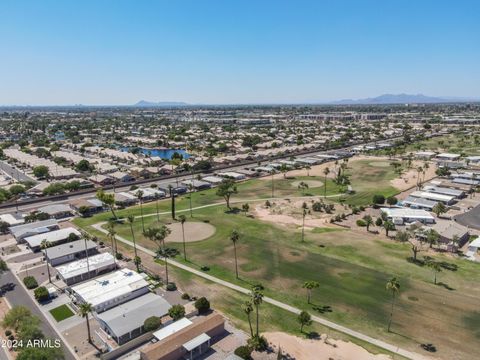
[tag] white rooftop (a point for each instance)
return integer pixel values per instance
(172, 328)
(79, 267)
(52, 236)
(432, 196)
(407, 213)
(196, 342)
(111, 286)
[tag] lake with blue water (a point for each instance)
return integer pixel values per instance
(162, 153)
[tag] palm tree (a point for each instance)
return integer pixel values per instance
(436, 267)
(419, 182)
(257, 299)
(139, 194)
(303, 186)
(304, 213)
(45, 245)
(130, 220)
(273, 187)
(157, 197)
(190, 189)
(85, 310)
(368, 221)
(247, 308)
(160, 237)
(234, 237)
(310, 285)
(308, 168)
(394, 286)
(111, 235)
(182, 220)
(326, 171)
(245, 208)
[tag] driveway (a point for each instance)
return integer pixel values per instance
(19, 296)
(470, 219)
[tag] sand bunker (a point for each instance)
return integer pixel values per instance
(310, 183)
(304, 349)
(194, 231)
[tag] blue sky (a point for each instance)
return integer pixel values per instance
(205, 51)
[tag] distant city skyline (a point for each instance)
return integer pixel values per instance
(247, 52)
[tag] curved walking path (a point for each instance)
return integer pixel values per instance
(379, 343)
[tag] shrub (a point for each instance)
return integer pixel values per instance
(378, 199)
(258, 343)
(244, 352)
(30, 282)
(176, 312)
(361, 223)
(41, 294)
(185, 296)
(379, 221)
(171, 286)
(152, 323)
(119, 256)
(8, 333)
(202, 305)
(317, 206)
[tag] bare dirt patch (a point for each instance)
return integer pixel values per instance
(194, 231)
(321, 349)
(310, 183)
(410, 177)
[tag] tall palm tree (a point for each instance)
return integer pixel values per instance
(394, 286)
(273, 182)
(85, 239)
(84, 310)
(157, 197)
(308, 168)
(130, 220)
(190, 189)
(182, 220)
(111, 235)
(139, 194)
(257, 299)
(326, 171)
(234, 237)
(310, 285)
(45, 245)
(304, 213)
(247, 308)
(160, 236)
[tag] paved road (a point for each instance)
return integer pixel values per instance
(14, 173)
(19, 296)
(470, 218)
(379, 343)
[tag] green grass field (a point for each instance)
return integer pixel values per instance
(352, 267)
(61, 313)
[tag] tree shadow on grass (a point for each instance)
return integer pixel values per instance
(446, 286)
(322, 309)
(235, 210)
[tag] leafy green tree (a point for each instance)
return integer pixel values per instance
(41, 172)
(392, 200)
(16, 316)
(245, 208)
(388, 226)
(304, 319)
(41, 353)
(202, 305)
(152, 323)
(378, 199)
(436, 268)
(439, 209)
(84, 165)
(41, 294)
(176, 312)
(226, 189)
(107, 200)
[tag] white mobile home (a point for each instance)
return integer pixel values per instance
(400, 216)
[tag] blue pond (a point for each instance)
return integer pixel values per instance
(162, 153)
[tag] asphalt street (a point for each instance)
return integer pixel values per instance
(19, 296)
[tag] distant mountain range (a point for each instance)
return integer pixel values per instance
(403, 99)
(143, 103)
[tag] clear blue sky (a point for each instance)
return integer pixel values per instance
(202, 51)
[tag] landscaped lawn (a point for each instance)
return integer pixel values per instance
(352, 267)
(61, 313)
